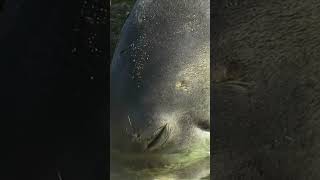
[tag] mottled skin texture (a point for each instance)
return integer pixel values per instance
(160, 78)
(266, 90)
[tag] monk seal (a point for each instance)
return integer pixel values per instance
(266, 90)
(160, 91)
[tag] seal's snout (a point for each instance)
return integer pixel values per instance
(139, 131)
(148, 138)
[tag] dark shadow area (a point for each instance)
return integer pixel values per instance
(54, 89)
(2, 2)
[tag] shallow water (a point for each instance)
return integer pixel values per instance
(195, 171)
(193, 164)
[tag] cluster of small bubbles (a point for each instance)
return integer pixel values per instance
(143, 13)
(94, 13)
(141, 18)
(139, 58)
(93, 17)
(88, 30)
(91, 44)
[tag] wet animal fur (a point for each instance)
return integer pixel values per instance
(269, 129)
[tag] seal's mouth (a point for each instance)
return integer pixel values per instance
(158, 139)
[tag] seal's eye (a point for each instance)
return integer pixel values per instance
(204, 125)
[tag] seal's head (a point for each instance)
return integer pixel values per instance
(160, 82)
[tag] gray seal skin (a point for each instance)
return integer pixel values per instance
(160, 92)
(266, 90)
